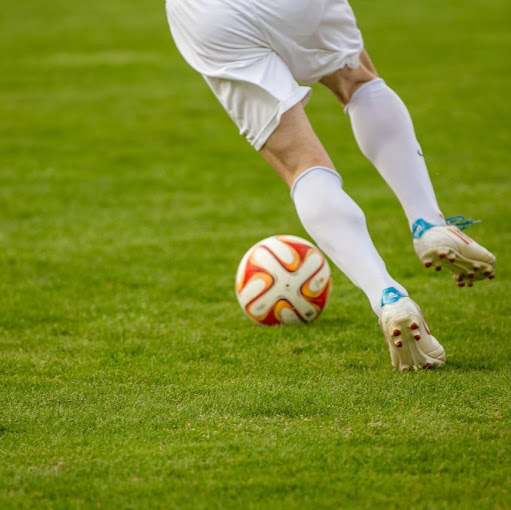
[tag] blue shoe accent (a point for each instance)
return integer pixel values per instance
(391, 295)
(461, 222)
(420, 227)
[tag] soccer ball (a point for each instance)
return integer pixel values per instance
(283, 280)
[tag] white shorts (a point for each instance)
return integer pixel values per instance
(252, 53)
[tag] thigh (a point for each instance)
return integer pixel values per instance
(294, 147)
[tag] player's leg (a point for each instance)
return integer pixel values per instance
(338, 226)
(328, 214)
(385, 134)
(384, 131)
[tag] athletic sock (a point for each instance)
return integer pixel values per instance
(338, 226)
(385, 134)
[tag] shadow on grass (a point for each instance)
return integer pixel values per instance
(471, 366)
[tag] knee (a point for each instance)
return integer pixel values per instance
(322, 199)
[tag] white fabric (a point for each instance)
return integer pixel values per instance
(241, 46)
(338, 226)
(384, 131)
(256, 108)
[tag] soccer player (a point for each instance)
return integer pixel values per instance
(253, 54)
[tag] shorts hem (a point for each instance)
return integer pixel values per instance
(300, 95)
(352, 61)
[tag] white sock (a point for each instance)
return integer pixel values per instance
(338, 226)
(384, 131)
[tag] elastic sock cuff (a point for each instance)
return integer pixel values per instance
(309, 171)
(359, 91)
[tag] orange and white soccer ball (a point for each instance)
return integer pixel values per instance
(283, 280)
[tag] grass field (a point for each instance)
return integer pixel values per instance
(129, 377)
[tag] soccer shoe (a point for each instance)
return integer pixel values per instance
(447, 246)
(410, 342)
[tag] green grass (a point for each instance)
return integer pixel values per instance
(129, 377)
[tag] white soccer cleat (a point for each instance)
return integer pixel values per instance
(410, 342)
(447, 246)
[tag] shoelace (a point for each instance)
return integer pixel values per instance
(461, 222)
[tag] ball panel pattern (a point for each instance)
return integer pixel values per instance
(283, 280)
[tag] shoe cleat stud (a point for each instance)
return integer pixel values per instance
(398, 344)
(442, 255)
(430, 366)
(487, 273)
(428, 264)
(476, 268)
(461, 284)
(417, 337)
(460, 278)
(470, 284)
(491, 277)
(470, 275)
(396, 332)
(414, 326)
(438, 268)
